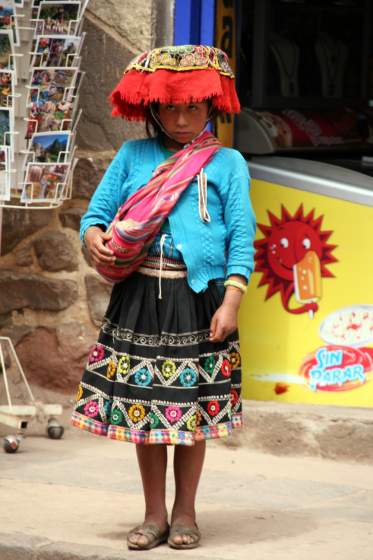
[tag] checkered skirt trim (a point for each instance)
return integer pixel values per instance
(165, 437)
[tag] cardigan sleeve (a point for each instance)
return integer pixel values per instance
(109, 193)
(240, 222)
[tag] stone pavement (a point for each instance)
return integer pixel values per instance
(76, 498)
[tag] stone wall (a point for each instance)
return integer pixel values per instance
(51, 299)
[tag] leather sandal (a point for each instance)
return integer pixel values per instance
(180, 530)
(151, 532)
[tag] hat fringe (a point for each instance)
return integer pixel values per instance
(137, 90)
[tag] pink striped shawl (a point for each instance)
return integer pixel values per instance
(140, 218)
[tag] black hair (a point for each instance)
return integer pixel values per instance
(151, 126)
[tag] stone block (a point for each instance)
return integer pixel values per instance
(98, 295)
(55, 252)
(19, 224)
(87, 175)
(103, 60)
(70, 218)
(5, 320)
(54, 358)
(131, 20)
(19, 290)
(24, 256)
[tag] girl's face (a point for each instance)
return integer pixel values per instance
(183, 121)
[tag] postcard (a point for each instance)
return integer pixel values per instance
(5, 126)
(56, 51)
(49, 147)
(4, 173)
(58, 18)
(8, 19)
(6, 88)
(36, 5)
(49, 116)
(6, 49)
(44, 182)
(52, 84)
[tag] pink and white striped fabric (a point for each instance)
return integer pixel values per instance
(139, 219)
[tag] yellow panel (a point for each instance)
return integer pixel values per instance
(276, 342)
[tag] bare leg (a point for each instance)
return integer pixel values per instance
(152, 460)
(188, 463)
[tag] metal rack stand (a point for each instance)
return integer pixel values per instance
(18, 416)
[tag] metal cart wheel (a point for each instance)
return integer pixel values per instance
(54, 429)
(11, 443)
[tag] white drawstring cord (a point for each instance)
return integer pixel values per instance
(202, 196)
(163, 239)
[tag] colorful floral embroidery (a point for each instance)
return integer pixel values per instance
(91, 409)
(235, 359)
(79, 394)
(198, 418)
(168, 368)
(192, 423)
(233, 397)
(111, 369)
(173, 413)
(116, 416)
(124, 364)
(188, 377)
(153, 420)
(226, 368)
(136, 412)
(182, 57)
(213, 408)
(96, 354)
(143, 377)
(107, 407)
(209, 364)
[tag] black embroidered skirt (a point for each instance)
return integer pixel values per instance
(153, 376)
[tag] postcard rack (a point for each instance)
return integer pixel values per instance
(40, 79)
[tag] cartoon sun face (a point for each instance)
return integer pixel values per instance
(287, 243)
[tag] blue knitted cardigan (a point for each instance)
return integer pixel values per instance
(211, 250)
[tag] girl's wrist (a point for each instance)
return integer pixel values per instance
(232, 298)
(91, 230)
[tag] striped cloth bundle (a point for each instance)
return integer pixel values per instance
(139, 219)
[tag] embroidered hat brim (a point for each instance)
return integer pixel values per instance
(175, 75)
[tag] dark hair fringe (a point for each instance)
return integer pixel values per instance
(153, 129)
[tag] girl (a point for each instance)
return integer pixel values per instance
(166, 369)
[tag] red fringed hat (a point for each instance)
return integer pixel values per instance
(179, 74)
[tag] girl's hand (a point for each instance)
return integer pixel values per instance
(99, 254)
(223, 322)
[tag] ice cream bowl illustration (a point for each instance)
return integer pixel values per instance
(349, 326)
(344, 363)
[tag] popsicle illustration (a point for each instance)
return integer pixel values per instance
(307, 279)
